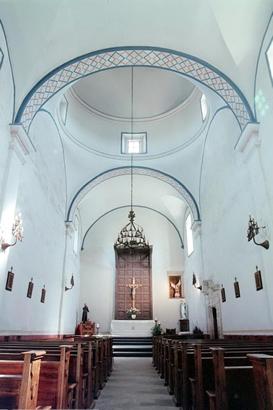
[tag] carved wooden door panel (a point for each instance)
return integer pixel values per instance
(133, 264)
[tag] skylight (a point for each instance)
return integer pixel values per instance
(135, 143)
(133, 146)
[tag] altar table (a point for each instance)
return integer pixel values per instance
(132, 328)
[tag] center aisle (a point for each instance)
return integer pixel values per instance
(134, 384)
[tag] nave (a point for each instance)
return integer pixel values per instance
(136, 203)
(134, 384)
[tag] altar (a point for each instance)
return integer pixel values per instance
(132, 328)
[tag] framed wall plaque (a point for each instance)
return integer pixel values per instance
(9, 282)
(223, 294)
(258, 280)
(237, 289)
(43, 295)
(30, 289)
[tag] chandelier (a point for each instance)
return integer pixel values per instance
(131, 235)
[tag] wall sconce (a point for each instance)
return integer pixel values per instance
(17, 231)
(194, 282)
(253, 230)
(72, 283)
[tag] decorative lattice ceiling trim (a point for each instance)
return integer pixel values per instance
(177, 185)
(94, 62)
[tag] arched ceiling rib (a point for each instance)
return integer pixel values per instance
(112, 177)
(166, 59)
(149, 193)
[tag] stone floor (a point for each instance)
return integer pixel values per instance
(134, 384)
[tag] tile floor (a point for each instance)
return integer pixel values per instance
(134, 384)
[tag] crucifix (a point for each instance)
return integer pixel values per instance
(134, 286)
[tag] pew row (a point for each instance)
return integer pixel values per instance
(189, 370)
(19, 381)
(84, 373)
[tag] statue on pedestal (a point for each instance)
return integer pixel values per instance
(85, 310)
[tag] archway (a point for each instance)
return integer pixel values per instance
(141, 56)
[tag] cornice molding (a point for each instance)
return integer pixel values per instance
(249, 138)
(20, 142)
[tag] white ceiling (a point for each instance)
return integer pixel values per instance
(115, 192)
(44, 34)
(155, 92)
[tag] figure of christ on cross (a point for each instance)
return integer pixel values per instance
(134, 286)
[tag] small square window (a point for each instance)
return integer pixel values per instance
(133, 146)
(269, 57)
(134, 143)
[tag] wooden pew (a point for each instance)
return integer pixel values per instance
(19, 381)
(233, 385)
(263, 379)
(187, 368)
(53, 382)
(90, 365)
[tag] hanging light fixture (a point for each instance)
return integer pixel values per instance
(132, 235)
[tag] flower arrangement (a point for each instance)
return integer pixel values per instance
(132, 311)
(156, 330)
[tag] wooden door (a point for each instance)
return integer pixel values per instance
(133, 263)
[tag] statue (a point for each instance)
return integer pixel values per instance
(85, 310)
(184, 311)
(176, 289)
(134, 286)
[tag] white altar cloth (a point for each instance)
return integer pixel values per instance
(138, 328)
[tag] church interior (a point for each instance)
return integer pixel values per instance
(136, 206)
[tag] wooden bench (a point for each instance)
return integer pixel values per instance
(90, 365)
(19, 381)
(233, 385)
(53, 384)
(188, 372)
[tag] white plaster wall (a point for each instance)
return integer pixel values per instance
(6, 107)
(70, 315)
(195, 298)
(232, 187)
(41, 200)
(98, 266)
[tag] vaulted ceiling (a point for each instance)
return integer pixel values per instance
(43, 36)
(46, 34)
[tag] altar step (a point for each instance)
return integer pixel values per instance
(132, 346)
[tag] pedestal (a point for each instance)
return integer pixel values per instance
(87, 328)
(132, 328)
(184, 325)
